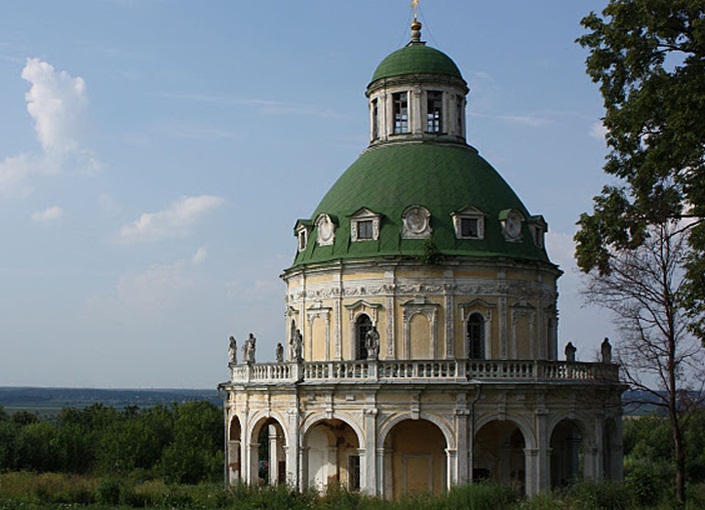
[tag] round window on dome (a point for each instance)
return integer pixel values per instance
(416, 222)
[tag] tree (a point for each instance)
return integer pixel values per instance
(644, 243)
(649, 58)
(660, 357)
(197, 451)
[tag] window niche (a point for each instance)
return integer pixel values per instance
(400, 108)
(364, 225)
(469, 223)
(434, 111)
(302, 229)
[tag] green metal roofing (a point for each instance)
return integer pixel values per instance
(444, 178)
(416, 58)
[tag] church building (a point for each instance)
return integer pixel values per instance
(421, 345)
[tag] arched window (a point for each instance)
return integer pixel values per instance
(476, 336)
(362, 325)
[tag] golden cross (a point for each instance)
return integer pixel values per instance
(415, 8)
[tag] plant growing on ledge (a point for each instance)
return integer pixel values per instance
(431, 254)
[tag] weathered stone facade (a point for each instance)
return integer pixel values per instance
(428, 329)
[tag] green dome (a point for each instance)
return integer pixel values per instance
(442, 178)
(413, 59)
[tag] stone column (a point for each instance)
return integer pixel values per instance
(531, 466)
(253, 464)
(379, 483)
(292, 449)
(542, 481)
(463, 460)
(368, 476)
(451, 472)
(273, 455)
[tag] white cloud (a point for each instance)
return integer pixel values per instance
(51, 214)
(200, 256)
(598, 131)
(175, 221)
(13, 172)
(57, 102)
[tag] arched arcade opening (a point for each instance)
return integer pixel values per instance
(331, 455)
(567, 461)
(267, 453)
(415, 459)
(498, 453)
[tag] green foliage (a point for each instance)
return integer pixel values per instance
(196, 453)
(649, 58)
(431, 254)
(109, 492)
(37, 447)
(603, 495)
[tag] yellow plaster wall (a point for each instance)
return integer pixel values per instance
(318, 340)
(417, 466)
(420, 334)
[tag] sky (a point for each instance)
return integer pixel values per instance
(155, 155)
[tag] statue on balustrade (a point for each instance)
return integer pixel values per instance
(606, 349)
(372, 344)
(248, 350)
(232, 351)
(280, 352)
(296, 346)
(570, 352)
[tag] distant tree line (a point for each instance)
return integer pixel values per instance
(180, 443)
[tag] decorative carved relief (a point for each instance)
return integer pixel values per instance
(416, 223)
(325, 230)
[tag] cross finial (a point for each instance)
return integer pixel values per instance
(416, 24)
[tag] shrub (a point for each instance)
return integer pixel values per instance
(109, 491)
(600, 495)
(650, 481)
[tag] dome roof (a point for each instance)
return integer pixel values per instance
(416, 58)
(444, 179)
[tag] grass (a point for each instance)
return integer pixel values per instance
(51, 491)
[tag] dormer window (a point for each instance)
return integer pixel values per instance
(364, 225)
(364, 230)
(400, 105)
(434, 111)
(302, 237)
(469, 223)
(470, 228)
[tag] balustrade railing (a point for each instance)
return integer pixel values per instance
(424, 370)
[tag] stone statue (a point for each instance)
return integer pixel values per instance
(570, 352)
(372, 344)
(248, 350)
(606, 349)
(280, 353)
(232, 351)
(297, 345)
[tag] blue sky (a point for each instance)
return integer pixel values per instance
(154, 156)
